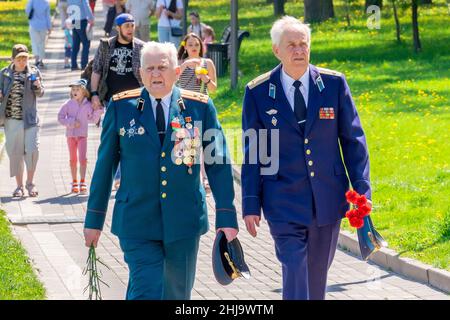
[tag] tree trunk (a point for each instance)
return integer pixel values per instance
(415, 27)
(374, 2)
(347, 12)
(278, 7)
(318, 10)
(397, 22)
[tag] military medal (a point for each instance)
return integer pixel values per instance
(326, 113)
(122, 131)
(189, 126)
(320, 84)
(132, 123)
(178, 161)
(190, 170)
(272, 90)
(274, 121)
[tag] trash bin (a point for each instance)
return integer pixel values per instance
(218, 53)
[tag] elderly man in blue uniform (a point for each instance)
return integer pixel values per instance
(304, 200)
(160, 209)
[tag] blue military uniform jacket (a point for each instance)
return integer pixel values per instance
(312, 174)
(158, 199)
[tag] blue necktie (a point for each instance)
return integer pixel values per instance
(299, 105)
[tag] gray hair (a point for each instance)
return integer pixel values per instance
(288, 22)
(166, 47)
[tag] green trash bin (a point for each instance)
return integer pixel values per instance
(218, 53)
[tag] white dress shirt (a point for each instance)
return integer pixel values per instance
(165, 104)
(289, 89)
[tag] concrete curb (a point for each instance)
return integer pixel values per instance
(390, 259)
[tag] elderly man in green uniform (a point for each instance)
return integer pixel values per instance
(160, 210)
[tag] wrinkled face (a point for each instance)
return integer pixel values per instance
(193, 47)
(77, 93)
(293, 50)
(126, 31)
(158, 74)
(20, 62)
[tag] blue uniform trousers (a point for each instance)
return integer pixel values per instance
(159, 270)
(306, 254)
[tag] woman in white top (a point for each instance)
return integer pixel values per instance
(169, 14)
(197, 73)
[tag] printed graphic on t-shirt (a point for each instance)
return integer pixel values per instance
(121, 61)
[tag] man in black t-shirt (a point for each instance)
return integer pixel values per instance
(116, 63)
(116, 66)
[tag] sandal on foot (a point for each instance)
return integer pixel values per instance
(18, 192)
(75, 187)
(83, 188)
(32, 191)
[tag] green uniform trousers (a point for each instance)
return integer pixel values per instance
(159, 270)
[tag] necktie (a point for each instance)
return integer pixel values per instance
(299, 105)
(160, 121)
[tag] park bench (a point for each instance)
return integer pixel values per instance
(220, 53)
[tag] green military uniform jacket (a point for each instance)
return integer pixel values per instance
(159, 198)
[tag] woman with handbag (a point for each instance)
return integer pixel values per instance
(169, 14)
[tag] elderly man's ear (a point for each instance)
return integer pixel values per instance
(178, 70)
(275, 51)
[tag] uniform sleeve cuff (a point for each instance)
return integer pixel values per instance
(363, 188)
(251, 205)
(226, 218)
(95, 219)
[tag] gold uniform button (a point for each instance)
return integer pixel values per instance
(310, 163)
(306, 141)
(312, 174)
(163, 169)
(308, 152)
(164, 182)
(164, 195)
(163, 155)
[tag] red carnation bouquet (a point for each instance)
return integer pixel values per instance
(359, 208)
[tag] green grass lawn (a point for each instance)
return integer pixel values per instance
(17, 278)
(402, 98)
(14, 26)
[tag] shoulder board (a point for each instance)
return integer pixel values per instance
(127, 94)
(188, 94)
(258, 80)
(329, 72)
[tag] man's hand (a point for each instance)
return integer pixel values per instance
(96, 102)
(230, 233)
(91, 236)
(250, 222)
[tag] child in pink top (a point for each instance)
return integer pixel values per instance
(75, 114)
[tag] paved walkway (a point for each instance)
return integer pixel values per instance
(58, 253)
